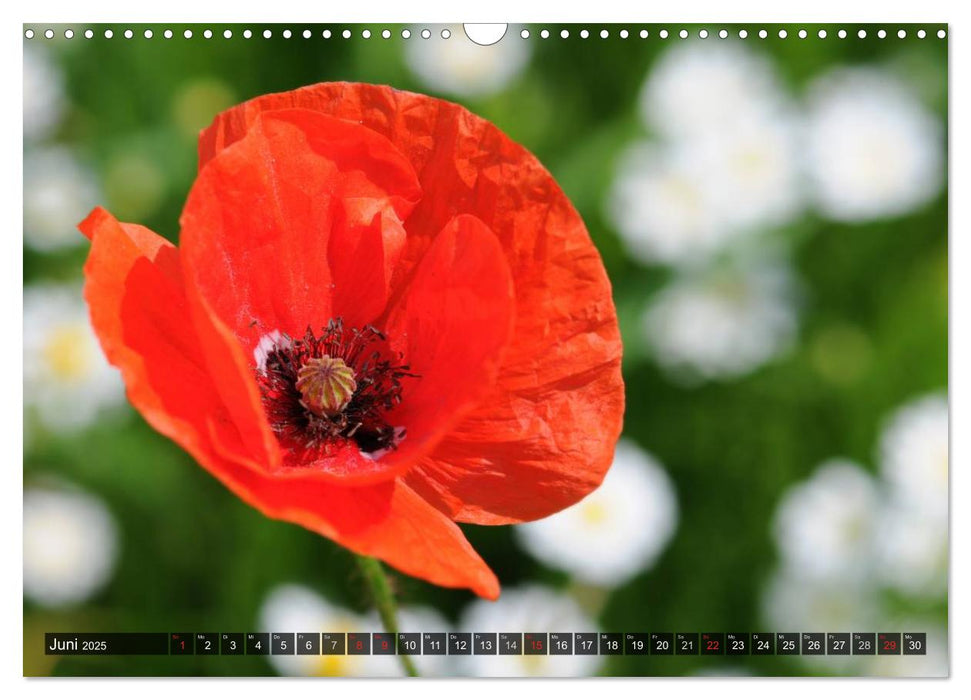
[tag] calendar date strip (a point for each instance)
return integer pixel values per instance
(486, 643)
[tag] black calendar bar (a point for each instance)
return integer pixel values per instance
(107, 643)
(485, 643)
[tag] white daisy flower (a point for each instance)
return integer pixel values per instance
(681, 203)
(615, 532)
(913, 456)
(697, 86)
(70, 546)
(663, 207)
(43, 94)
(729, 165)
(528, 609)
(292, 608)
(58, 193)
(67, 380)
(753, 171)
(874, 150)
(825, 526)
(459, 66)
(724, 323)
(911, 553)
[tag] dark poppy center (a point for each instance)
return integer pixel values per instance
(320, 391)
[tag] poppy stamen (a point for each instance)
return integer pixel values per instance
(321, 391)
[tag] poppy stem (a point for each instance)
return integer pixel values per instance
(384, 601)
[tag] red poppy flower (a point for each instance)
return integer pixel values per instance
(383, 316)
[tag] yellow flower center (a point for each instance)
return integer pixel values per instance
(594, 512)
(331, 666)
(66, 353)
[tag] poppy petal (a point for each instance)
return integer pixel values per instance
(141, 316)
(139, 312)
(451, 325)
(276, 234)
(277, 229)
(230, 370)
(545, 437)
(387, 520)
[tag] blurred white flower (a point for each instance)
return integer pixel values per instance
(528, 609)
(70, 546)
(58, 193)
(728, 164)
(616, 531)
(459, 66)
(793, 602)
(680, 203)
(663, 208)
(825, 526)
(292, 608)
(874, 150)
(753, 171)
(696, 86)
(911, 553)
(914, 456)
(43, 94)
(410, 619)
(724, 323)
(67, 379)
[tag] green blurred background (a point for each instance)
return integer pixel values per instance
(873, 299)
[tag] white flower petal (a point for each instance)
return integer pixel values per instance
(58, 193)
(615, 532)
(67, 379)
(43, 94)
(682, 202)
(914, 455)
(662, 208)
(724, 323)
(70, 546)
(826, 525)
(874, 150)
(911, 553)
(697, 86)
